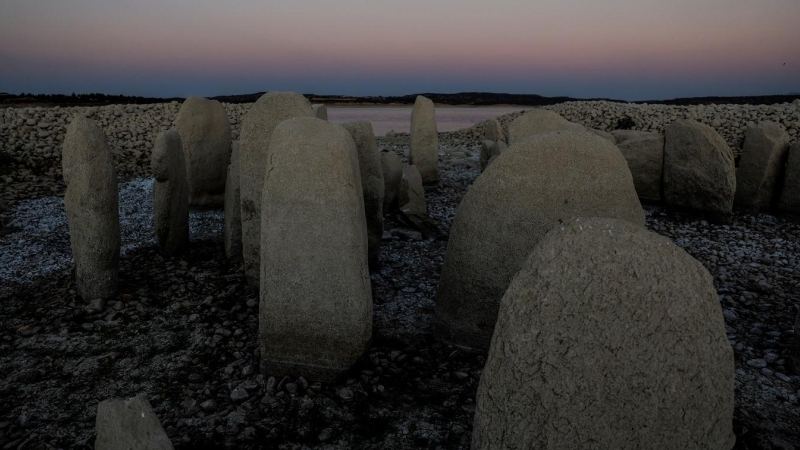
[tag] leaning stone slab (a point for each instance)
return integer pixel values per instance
(424, 150)
(790, 197)
(315, 316)
(205, 131)
(170, 194)
(392, 167)
(233, 217)
(92, 206)
(539, 121)
(645, 157)
(257, 125)
(761, 168)
(129, 424)
(320, 111)
(610, 336)
(372, 182)
(699, 172)
(534, 186)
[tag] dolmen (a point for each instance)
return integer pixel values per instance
(539, 183)
(424, 149)
(761, 168)
(233, 216)
(129, 424)
(170, 194)
(205, 132)
(92, 206)
(257, 126)
(315, 315)
(609, 337)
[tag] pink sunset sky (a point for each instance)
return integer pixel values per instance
(625, 49)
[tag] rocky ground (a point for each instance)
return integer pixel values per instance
(183, 330)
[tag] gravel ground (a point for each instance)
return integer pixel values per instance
(183, 332)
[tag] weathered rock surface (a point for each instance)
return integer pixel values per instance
(392, 168)
(609, 337)
(371, 182)
(413, 207)
(206, 135)
(320, 111)
(490, 150)
(699, 170)
(424, 150)
(761, 168)
(621, 136)
(794, 356)
(315, 316)
(92, 207)
(604, 134)
(493, 131)
(536, 185)
(538, 121)
(645, 156)
(233, 216)
(170, 194)
(790, 195)
(257, 125)
(129, 424)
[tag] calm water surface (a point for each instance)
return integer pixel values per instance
(398, 118)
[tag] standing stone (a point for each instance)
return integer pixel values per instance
(536, 185)
(92, 205)
(206, 134)
(233, 217)
(320, 111)
(539, 121)
(392, 168)
(790, 197)
(372, 182)
(699, 171)
(411, 199)
(424, 152)
(129, 424)
(170, 194)
(494, 131)
(315, 317)
(257, 125)
(761, 168)
(645, 157)
(610, 336)
(490, 150)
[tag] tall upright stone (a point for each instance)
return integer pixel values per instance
(535, 185)
(645, 157)
(761, 168)
(424, 151)
(493, 131)
(233, 217)
(372, 182)
(315, 316)
(539, 121)
(257, 125)
(790, 195)
(129, 424)
(699, 171)
(92, 205)
(206, 135)
(170, 194)
(320, 111)
(392, 167)
(610, 336)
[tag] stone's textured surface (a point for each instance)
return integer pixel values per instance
(604, 134)
(257, 125)
(699, 171)
(761, 168)
(490, 150)
(621, 136)
(424, 150)
(538, 121)
(129, 424)
(608, 335)
(645, 156)
(372, 182)
(206, 134)
(233, 217)
(536, 185)
(392, 168)
(92, 207)
(315, 317)
(320, 111)
(790, 195)
(170, 194)
(493, 131)
(412, 202)
(794, 355)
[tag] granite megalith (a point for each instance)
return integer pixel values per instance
(424, 149)
(320, 111)
(539, 121)
(315, 315)
(493, 131)
(92, 206)
(392, 168)
(761, 168)
(233, 218)
(257, 125)
(170, 194)
(645, 157)
(610, 336)
(536, 185)
(489, 150)
(205, 131)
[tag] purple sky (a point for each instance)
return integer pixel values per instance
(626, 49)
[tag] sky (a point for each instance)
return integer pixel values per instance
(622, 49)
